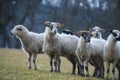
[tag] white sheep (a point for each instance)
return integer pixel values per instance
(112, 51)
(31, 42)
(88, 48)
(60, 44)
(99, 70)
(96, 32)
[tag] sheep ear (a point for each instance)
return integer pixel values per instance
(90, 29)
(111, 31)
(47, 23)
(102, 30)
(60, 25)
(79, 32)
(19, 29)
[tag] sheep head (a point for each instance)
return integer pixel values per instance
(86, 35)
(67, 31)
(96, 31)
(116, 34)
(47, 23)
(19, 31)
(51, 27)
(50, 24)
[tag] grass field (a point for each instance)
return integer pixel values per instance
(13, 66)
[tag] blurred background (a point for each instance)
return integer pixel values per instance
(75, 14)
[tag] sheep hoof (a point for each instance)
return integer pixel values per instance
(87, 75)
(102, 77)
(51, 70)
(58, 71)
(29, 67)
(82, 75)
(35, 68)
(55, 71)
(73, 73)
(94, 75)
(113, 78)
(106, 78)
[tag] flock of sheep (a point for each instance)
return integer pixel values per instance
(90, 47)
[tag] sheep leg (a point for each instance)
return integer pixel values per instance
(102, 70)
(59, 63)
(113, 70)
(34, 61)
(118, 68)
(98, 65)
(29, 59)
(94, 63)
(108, 69)
(51, 62)
(56, 62)
(82, 70)
(86, 68)
(95, 72)
(73, 61)
(79, 65)
(101, 67)
(74, 67)
(79, 68)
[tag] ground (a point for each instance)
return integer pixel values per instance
(13, 66)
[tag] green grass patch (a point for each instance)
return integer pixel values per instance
(14, 63)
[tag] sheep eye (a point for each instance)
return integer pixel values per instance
(51, 27)
(114, 34)
(19, 29)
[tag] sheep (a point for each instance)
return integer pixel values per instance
(31, 42)
(112, 51)
(97, 33)
(59, 44)
(87, 49)
(67, 31)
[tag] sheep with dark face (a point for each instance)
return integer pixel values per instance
(89, 49)
(59, 44)
(99, 70)
(112, 51)
(31, 42)
(67, 31)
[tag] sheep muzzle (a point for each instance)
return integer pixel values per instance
(47, 23)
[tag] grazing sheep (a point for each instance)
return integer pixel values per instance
(59, 44)
(99, 70)
(112, 51)
(89, 49)
(31, 42)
